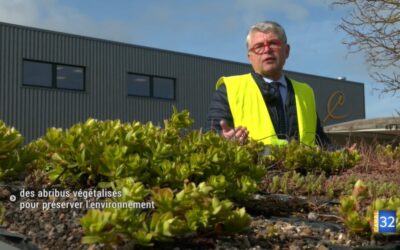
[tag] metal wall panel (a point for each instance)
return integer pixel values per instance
(32, 109)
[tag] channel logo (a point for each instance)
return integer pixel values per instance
(385, 222)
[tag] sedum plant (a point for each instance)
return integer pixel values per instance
(357, 209)
(303, 158)
(190, 176)
(191, 210)
(388, 152)
(292, 182)
(102, 152)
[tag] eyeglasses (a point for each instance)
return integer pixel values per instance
(259, 48)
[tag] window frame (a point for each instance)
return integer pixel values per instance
(151, 82)
(150, 85)
(54, 75)
(173, 87)
(35, 85)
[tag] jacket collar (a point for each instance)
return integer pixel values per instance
(260, 80)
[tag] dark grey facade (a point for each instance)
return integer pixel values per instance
(106, 64)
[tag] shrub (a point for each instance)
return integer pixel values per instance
(12, 156)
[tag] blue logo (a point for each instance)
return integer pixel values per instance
(385, 221)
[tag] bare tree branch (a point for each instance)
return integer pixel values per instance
(373, 28)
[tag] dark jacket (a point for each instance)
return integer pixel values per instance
(219, 109)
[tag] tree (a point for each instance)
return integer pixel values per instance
(373, 27)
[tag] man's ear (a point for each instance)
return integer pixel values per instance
(287, 50)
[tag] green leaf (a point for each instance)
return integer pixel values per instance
(91, 239)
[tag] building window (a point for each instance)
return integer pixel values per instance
(37, 74)
(53, 75)
(164, 88)
(151, 86)
(138, 85)
(70, 77)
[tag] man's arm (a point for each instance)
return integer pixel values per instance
(220, 118)
(219, 110)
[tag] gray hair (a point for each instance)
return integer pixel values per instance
(265, 27)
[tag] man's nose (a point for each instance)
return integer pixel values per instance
(267, 48)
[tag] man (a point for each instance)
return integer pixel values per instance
(264, 104)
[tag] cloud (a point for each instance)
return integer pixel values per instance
(175, 25)
(257, 10)
(19, 12)
(197, 28)
(51, 14)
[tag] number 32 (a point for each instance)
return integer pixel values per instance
(384, 221)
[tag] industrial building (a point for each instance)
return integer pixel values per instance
(54, 79)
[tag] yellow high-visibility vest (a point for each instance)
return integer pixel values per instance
(249, 110)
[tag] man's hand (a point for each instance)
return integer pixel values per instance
(240, 133)
(353, 147)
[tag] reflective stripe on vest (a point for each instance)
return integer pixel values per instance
(249, 110)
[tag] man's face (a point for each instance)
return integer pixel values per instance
(269, 62)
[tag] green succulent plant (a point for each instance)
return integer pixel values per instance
(13, 156)
(302, 158)
(358, 216)
(189, 175)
